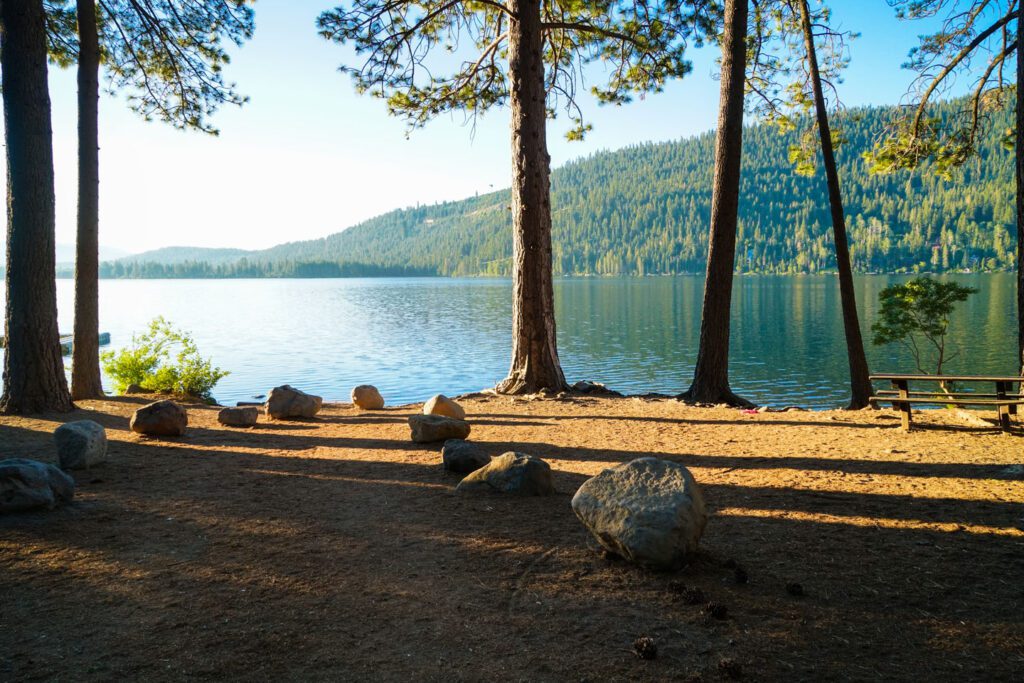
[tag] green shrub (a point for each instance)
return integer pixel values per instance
(162, 359)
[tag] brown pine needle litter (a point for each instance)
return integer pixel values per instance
(335, 548)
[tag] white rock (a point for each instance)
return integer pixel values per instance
(442, 405)
(285, 401)
(367, 397)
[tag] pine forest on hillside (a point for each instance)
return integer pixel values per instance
(644, 210)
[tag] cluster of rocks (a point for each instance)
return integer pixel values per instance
(648, 511)
(30, 484)
(442, 419)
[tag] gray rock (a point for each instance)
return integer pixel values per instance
(648, 511)
(430, 428)
(444, 406)
(135, 389)
(462, 457)
(239, 417)
(163, 418)
(596, 388)
(80, 444)
(28, 484)
(284, 402)
(367, 397)
(518, 473)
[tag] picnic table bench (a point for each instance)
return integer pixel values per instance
(901, 397)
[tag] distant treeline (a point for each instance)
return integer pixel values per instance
(246, 269)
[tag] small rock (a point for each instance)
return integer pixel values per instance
(135, 389)
(462, 457)
(692, 596)
(649, 511)
(80, 444)
(795, 589)
(716, 610)
(27, 484)
(588, 387)
(739, 575)
(444, 406)
(645, 647)
(284, 402)
(430, 428)
(239, 417)
(517, 473)
(367, 397)
(163, 418)
(1013, 471)
(731, 668)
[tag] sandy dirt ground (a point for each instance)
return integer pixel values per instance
(336, 549)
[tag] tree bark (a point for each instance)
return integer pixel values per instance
(33, 375)
(860, 384)
(535, 366)
(711, 374)
(1019, 156)
(85, 360)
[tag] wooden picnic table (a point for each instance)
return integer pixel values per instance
(901, 397)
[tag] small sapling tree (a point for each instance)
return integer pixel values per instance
(916, 314)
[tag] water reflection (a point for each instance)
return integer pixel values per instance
(414, 337)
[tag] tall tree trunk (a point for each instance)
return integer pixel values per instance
(34, 378)
(1019, 155)
(85, 361)
(535, 364)
(860, 384)
(711, 375)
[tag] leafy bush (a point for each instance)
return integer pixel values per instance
(162, 359)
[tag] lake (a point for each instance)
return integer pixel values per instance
(414, 337)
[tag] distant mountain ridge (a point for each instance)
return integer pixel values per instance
(644, 210)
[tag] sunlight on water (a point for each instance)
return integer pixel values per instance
(416, 337)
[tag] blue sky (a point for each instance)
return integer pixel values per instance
(307, 156)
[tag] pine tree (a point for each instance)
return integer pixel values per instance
(529, 55)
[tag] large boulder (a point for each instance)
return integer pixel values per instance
(462, 457)
(242, 416)
(80, 444)
(163, 418)
(444, 406)
(28, 484)
(367, 397)
(648, 511)
(518, 473)
(285, 401)
(430, 428)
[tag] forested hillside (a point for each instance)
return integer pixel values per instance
(644, 210)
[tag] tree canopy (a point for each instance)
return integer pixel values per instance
(167, 57)
(426, 58)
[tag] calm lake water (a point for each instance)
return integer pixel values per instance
(416, 337)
